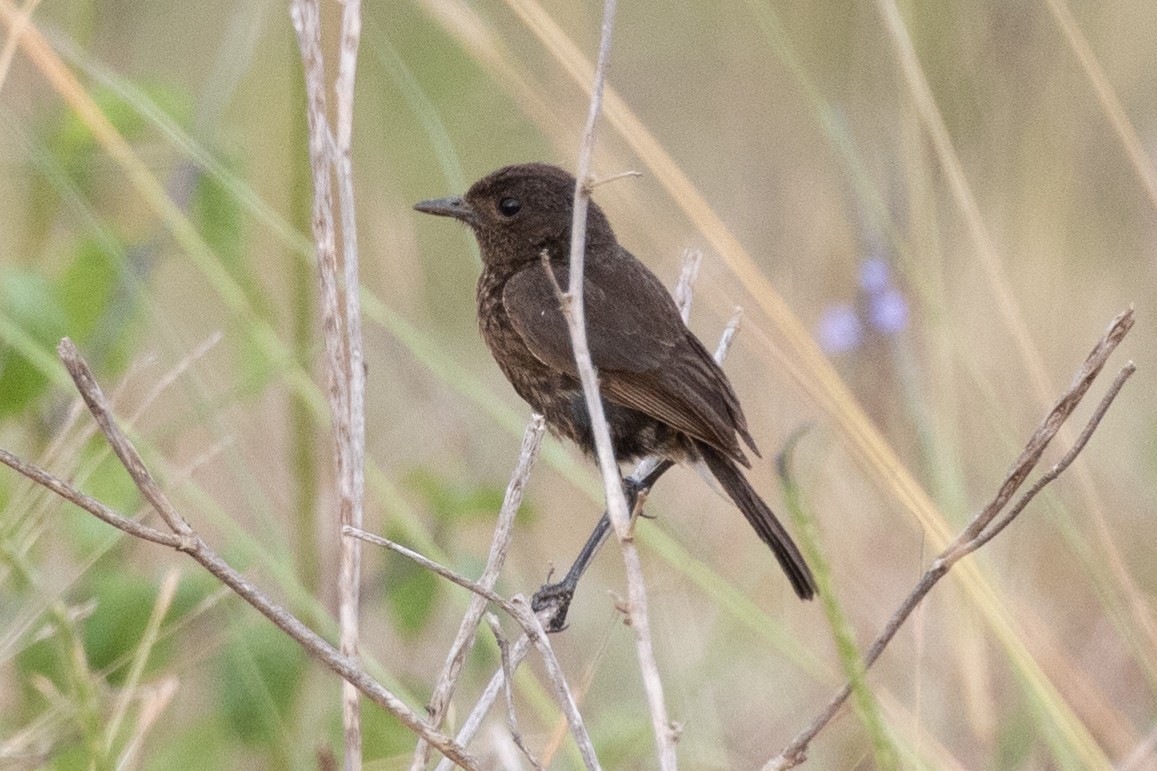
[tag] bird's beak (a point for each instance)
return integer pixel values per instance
(455, 207)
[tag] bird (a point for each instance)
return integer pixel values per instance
(662, 391)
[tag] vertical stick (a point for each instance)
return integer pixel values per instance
(612, 481)
(353, 484)
(329, 154)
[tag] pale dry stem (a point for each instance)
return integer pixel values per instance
(184, 538)
(329, 153)
(986, 525)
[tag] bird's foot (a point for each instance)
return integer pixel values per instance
(554, 601)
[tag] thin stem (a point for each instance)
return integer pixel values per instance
(508, 691)
(500, 543)
(329, 153)
(612, 482)
(518, 609)
(187, 540)
(985, 526)
(489, 695)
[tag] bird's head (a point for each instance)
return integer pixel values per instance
(518, 211)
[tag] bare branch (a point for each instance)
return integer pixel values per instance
(563, 297)
(473, 722)
(91, 505)
(573, 306)
(1118, 328)
(94, 397)
(985, 525)
(464, 641)
(422, 560)
(728, 335)
(612, 482)
(508, 690)
(992, 530)
(518, 609)
(187, 540)
(555, 677)
(329, 153)
(692, 259)
(592, 184)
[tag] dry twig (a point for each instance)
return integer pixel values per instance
(612, 483)
(464, 641)
(473, 722)
(508, 690)
(986, 525)
(518, 609)
(184, 538)
(329, 153)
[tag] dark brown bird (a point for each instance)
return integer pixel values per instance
(662, 391)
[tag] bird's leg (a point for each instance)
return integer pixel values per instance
(556, 597)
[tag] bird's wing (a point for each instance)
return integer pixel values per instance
(646, 358)
(623, 333)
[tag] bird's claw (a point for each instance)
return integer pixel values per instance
(554, 599)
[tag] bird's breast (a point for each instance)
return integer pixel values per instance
(547, 390)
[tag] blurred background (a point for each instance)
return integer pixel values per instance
(950, 202)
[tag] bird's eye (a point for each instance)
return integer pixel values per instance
(509, 206)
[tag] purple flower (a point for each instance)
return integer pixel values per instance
(880, 308)
(875, 276)
(840, 329)
(888, 312)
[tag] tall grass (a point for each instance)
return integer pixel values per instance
(994, 157)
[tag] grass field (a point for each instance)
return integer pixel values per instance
(929, 214)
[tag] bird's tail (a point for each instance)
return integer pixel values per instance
(761, 518)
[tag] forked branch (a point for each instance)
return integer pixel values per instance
(989, 522)
(184, 538)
